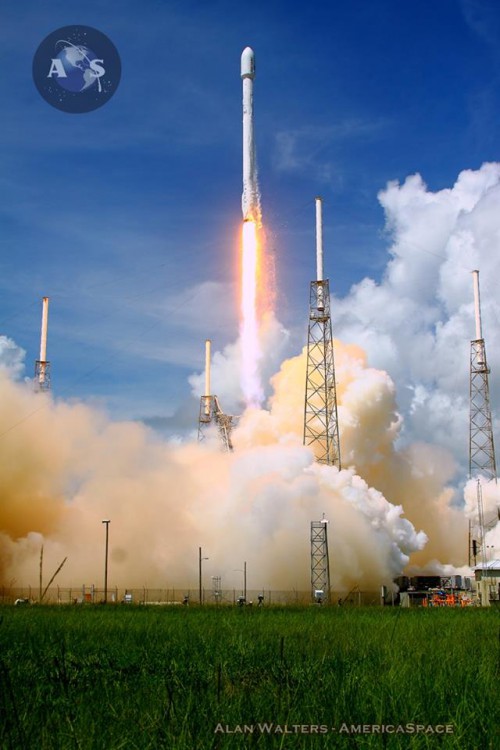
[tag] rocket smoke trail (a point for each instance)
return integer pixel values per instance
(249, 329)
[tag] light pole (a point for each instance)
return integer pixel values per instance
(325, 523)
(106, 522)
(200, 559)
(490, 554)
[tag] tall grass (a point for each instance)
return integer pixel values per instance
(140, 677)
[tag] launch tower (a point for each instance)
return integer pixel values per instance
(211, 412)
(42, 366)
(482, 463)
(321, 429)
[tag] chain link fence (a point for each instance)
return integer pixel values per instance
(90, 594)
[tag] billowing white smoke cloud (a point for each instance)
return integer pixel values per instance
(11, 357)
(417, 322)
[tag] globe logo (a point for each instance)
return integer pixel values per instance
(76, 69)
(80, 67)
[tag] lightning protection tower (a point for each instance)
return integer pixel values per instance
(211, 412)
(320, 562)
(42, 366)
(321, 429)
(482, 463)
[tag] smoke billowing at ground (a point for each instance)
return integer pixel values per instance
(65, 467)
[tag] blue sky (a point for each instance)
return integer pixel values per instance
(128, 216)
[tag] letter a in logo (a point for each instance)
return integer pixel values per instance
(57, 67)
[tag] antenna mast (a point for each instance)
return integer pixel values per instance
(42, 366)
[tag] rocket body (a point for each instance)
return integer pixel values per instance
(250, 196)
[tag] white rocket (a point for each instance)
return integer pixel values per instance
(250, 197)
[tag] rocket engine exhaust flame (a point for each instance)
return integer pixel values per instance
(249, 330)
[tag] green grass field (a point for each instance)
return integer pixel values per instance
(191, 678)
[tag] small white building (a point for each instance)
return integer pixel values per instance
(487, 577)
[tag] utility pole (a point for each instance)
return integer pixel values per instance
(106, 523)
(200, 578)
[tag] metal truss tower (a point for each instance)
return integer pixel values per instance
(321, 430)
(42, 366)
(211, 412)
(481, 446)
(320, 562)
(482, 461)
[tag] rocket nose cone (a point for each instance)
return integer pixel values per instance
(248, 63)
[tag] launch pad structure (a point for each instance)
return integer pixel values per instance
(482, 462)
(321, 430)
(42, 365)
(211, 412)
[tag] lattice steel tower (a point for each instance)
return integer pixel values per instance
(321, 429)
(211, 412)
(482, 461)
(320, 561)
(42, 366)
